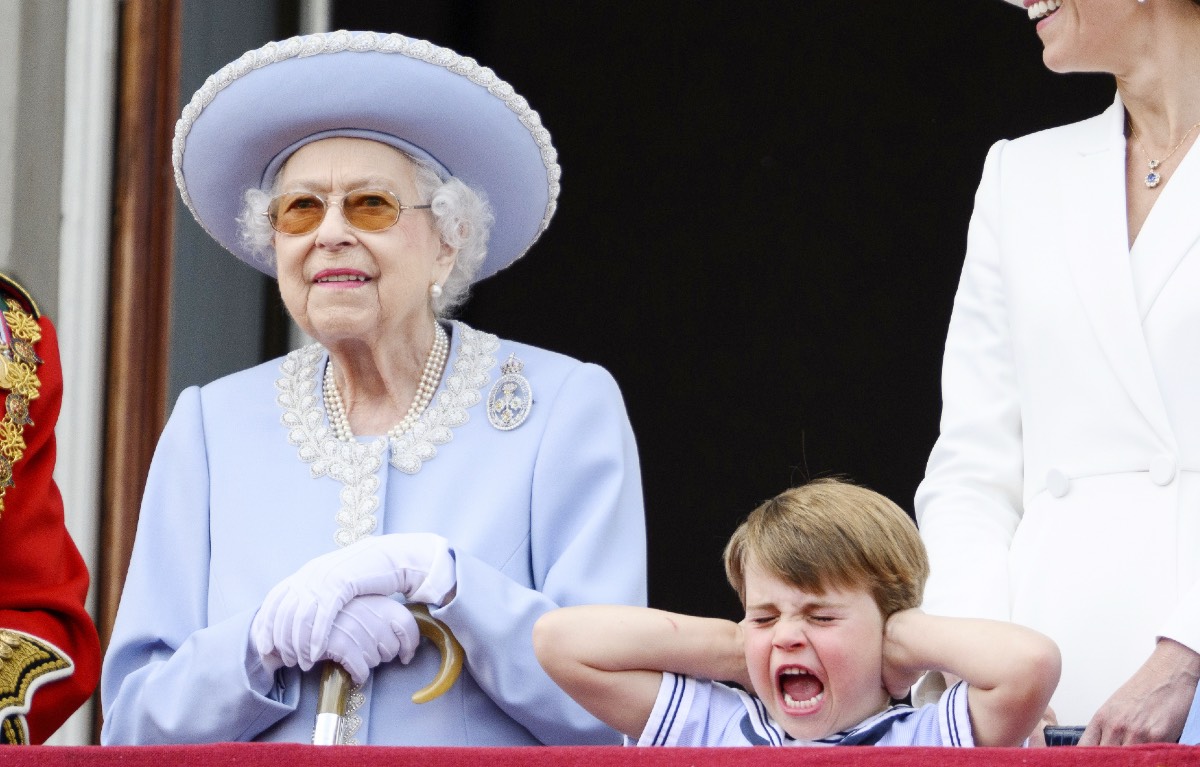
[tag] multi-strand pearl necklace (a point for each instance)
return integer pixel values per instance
(430, 377)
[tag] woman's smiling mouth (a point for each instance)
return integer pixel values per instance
(1043, 8)
(328, 276)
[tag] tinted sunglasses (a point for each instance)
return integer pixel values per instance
(367, 210)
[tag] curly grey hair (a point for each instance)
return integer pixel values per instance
(461, 215)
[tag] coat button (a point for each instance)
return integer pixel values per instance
(1162, 470)
(1057, 483)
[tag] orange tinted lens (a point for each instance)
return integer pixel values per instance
(370, 210)
(296, 213)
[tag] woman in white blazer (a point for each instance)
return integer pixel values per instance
(1064, 490)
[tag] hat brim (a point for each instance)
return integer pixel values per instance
(268, 103)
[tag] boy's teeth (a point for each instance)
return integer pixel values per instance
(793, 703)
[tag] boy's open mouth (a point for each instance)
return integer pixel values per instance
(801, 690)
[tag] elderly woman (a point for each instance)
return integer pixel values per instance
(294, 508)
(1063, 492)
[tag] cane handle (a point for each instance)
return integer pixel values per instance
(452, 654)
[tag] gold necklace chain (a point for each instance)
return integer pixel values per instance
(1154, 178)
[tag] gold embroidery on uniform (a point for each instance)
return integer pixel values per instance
(23, 661)
(18, 374)
(12, 733)
(22, 323)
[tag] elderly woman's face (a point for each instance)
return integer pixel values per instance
(340, 283)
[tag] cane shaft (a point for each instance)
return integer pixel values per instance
(331, 704)
(335, 689)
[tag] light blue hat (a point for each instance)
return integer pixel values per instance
(249, 117)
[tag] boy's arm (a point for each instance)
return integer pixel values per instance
(610, 658)
(1011, 671)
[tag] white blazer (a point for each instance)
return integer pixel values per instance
(1063, 492)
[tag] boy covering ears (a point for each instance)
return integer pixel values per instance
(830, 575)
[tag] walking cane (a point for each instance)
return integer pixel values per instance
(336, 684)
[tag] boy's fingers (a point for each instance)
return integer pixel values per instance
(1091, 736)
(1037, 738)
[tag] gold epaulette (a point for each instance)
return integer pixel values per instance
(26, 663)
(19, 331)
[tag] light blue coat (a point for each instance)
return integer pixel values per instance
(547, 514)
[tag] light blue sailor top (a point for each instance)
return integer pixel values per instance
(697, 712)
(248, 483)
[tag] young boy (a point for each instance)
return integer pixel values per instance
(830, 575)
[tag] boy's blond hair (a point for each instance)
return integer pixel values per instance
(832, 534)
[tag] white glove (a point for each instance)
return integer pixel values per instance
(368, 631)
(297, 615)
(371, 630)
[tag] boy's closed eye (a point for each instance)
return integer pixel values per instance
(760, 620)
(764, 620)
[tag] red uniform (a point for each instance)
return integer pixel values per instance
(49, 650)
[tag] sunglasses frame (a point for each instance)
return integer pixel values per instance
(327, 203)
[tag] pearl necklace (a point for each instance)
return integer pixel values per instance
(430, 377)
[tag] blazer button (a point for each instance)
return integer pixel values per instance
(1162, 470)
(1057, 483)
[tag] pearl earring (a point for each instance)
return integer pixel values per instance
(435, 291)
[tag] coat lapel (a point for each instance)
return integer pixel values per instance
(1171, 230)
(1098, 258)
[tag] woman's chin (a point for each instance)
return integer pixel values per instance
(1055, 63)
(332, 331)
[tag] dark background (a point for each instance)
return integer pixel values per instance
(763, 214)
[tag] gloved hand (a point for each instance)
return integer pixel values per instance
(297, 615)
(371, 630)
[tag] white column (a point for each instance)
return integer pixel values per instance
(83, 283)
(315, 16)
(10, 87)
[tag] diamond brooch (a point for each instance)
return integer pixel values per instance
(511, 397)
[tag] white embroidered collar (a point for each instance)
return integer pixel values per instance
(355, 464)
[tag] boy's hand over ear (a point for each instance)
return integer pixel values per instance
(899, 671)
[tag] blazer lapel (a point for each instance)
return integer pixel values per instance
(1171, 230)
(1098, 258)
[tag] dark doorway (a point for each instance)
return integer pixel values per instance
(762, 222)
